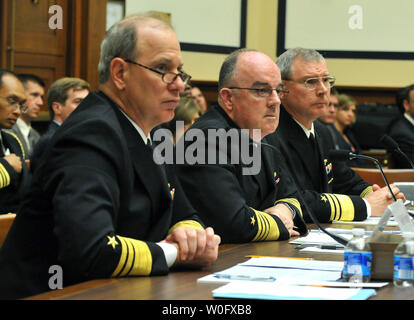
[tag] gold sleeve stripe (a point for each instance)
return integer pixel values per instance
(294, 202)
(129, 260)
(186, 223)
(4, 177)
(260, 227)
(347, 207)
(332, 206)
(18, 140)
(124, 253)
(342, 207)
(338, 208)
(267, 227)
(136, 258)
(143, 259)
(366, 191)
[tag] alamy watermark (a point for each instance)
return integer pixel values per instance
(56, 20)
(355, 22)
(56, 280)
(217, 146)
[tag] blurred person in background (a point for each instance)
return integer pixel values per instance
(344, 119)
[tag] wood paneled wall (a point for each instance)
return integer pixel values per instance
(28, 45)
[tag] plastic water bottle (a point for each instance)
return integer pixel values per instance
(357, 258)
(403, 261)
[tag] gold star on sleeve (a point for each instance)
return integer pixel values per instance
(112, 242)
(252, 221)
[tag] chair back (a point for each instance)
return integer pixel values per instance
(6, 221)
(373, 176)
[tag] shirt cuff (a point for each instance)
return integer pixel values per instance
(170, 252)
(368, 208)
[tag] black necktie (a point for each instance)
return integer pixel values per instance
(31, 138)
(316, 161)
(312, 140)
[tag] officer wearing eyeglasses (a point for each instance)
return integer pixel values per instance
(332, 190)
(99, 205)
(14, 175)
(242, 206)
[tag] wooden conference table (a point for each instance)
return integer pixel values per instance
(182, 285)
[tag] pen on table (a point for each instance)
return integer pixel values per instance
(242, 277)
(295, 258)
(331, 247)
(320, 246)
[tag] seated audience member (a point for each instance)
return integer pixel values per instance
(402, 130)
(199, 97)
(63, 97)
(185, 114)
(240, 204)
(14, 174)
(34, 88)
(99, 206)
(332, 190)
(345, 139)
(328, 118)
(187, 91)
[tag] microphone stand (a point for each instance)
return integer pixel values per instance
(337, 238)
(391, 144)
(353, 156)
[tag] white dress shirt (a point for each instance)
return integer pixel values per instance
(25, 130)
(409, 118)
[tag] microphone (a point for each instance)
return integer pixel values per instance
(393, 146)
(337, 238)
(344, 155)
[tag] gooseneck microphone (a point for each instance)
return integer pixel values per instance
(337, 238)
(393, 146)
(344, 155)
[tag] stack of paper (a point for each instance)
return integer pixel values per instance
(270, 291)
(287, 278)
(317, 237)
(371, 221)
(271, 269)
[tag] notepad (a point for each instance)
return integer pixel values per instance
(320, 238)
(371, 221)
(271, 291)
(292, 263)
(243, 273)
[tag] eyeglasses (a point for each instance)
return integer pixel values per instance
(16, 104)
(167, 77)
(311, 83)
(266, 92)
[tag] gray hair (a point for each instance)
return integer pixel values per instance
(121, 39)
(285, 60)
(228, 68)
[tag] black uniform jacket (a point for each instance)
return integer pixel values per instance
(227, 198)
(402, 131)
(42, 144)
(98, 203)
(13, 185)
(332, 191)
